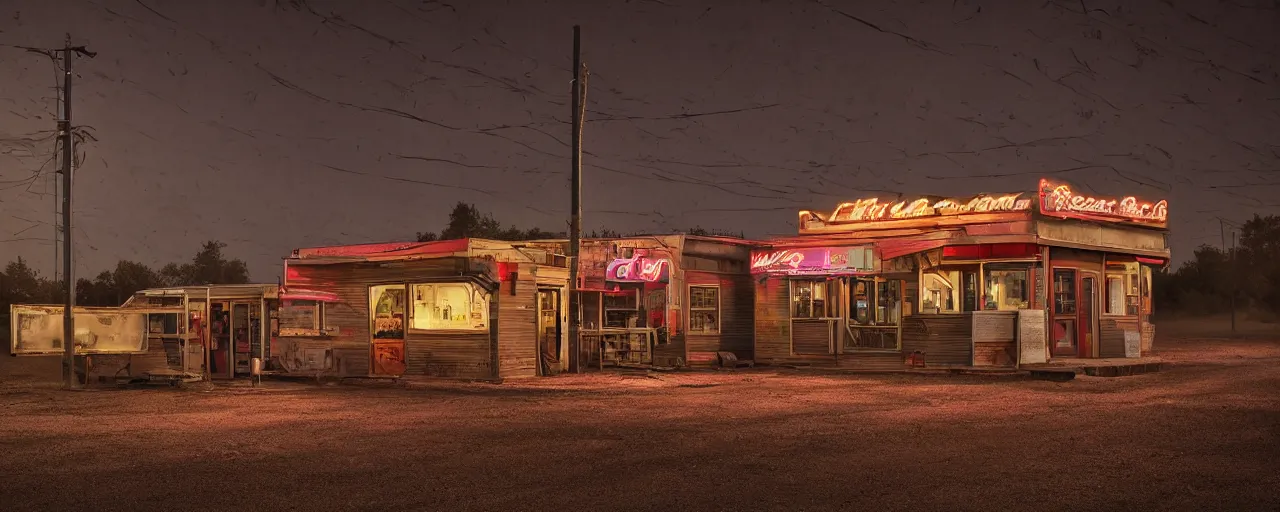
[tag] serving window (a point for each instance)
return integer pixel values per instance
(449, 306)
(814, 299)
(300, 317)
(941, 291)
(1008, 287)
(1123, 296)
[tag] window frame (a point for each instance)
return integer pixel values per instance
(1130, 281)
(692, 310)
(827, 297)
(475, 290)
(1000, 270)
(318, 327)
(1057, 290)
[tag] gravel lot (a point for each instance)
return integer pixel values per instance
(1202, 435)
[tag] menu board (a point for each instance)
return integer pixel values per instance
(1032, 342)
(1132, 344)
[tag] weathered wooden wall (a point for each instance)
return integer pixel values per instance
(1111, 334)
(945, 339)
(1148, 339)
(427, 354)
(518, 325)
(772, 320)
(736, 313)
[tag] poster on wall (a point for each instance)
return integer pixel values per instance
(1132, 344)
(1032, 342)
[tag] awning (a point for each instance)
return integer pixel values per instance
(1149, 261)
(302, 294)
(890, 249)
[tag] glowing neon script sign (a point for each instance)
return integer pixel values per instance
(639, 269)
(814, 260)
(1059, 200)
(870, 210)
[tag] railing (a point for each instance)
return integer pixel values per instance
(620, 346)
(872, 337)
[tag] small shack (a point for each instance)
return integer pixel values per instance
(992, 280)
(665, 300)
(467, 308)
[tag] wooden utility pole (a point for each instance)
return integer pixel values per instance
(68, 170)
(577, 104)
(68, 278)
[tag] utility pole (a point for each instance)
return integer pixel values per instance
(578, 109)
(68, 168)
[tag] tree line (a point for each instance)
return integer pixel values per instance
(467, 221)
(1249, 273)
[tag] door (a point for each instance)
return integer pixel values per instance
(244, 319)
(387, 326)
(1088, 316)
(549, 331)
(1065, 313)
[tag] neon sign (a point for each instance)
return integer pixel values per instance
(813, 260)
(1058, 200)
(638, 268)
(873, 210)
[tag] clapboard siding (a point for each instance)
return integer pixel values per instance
(944, 339)
(1111, 334)
(736, 313)
(879, 361)
(518, 326)
(772, 320)
(811, 337)
(448, 354)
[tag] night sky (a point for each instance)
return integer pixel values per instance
(272, 125)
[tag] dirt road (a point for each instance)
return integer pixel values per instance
(1203, 435)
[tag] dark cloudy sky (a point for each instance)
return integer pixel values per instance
(272, 125)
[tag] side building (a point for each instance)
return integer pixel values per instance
(466, 308)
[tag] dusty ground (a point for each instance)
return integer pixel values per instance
(1203, 435)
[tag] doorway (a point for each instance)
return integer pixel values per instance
(387, 324)
(550, 329)
(1088, 316)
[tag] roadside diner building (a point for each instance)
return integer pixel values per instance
(993, 280)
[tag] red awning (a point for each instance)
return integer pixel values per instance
(890, 249)
(1149, 261)
(301, 294)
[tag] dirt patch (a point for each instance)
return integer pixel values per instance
(1202, 435)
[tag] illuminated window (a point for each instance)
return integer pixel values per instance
(387, 305)
(450, 306)
(941, 291)
(1146, 290)
(704, 309)
(813, 299)
(301, 316)
(1008, 288)
(1123, 291)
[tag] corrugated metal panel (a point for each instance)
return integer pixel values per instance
(736, 314)
(871, 361)
(945, 339)
(1111, 334)
(772, 320)
(811, 337)
(518, 325)
(448, 354)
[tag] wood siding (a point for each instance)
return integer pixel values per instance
(439, 354)
(945, 339)
(811, 337)
(1111, 334)
(518, 325)
(736, 313)
(994, 338)
(772, 320)
(1148, 339)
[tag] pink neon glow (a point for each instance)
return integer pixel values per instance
(809, 260)
(639, 268)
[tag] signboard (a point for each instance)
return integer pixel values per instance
(639, 269)
(874, 210)
(1058, 200)
(1032, 342)
(813, 260)
(37, 330)
(1132, 344)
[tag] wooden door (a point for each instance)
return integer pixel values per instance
(387, 327)
(549, 330)
(1087, 316)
